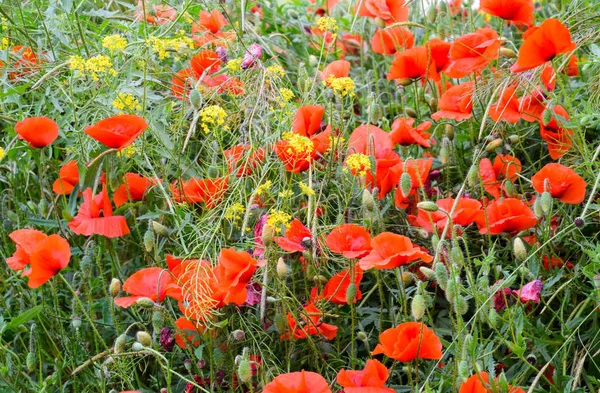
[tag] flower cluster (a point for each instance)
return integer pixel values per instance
(93, 66)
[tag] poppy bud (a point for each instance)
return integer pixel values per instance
(433, 104)
(546, 202)
(456, 255)
(368, 201)
(427, 272)
(143, 338)
(444, 155)
(431, 13)
(404, 82)
(405, 184)
(513, 139)
(449, 131)
(244, 371)
(145, 302)
(493, 145)
(410, 112)
(313, 61)
(537, 208)
(519, 249)
(547, 116)
(86, 265)
(271, 299)
(115, 287)
(66, 215)
(30, 361)
(267, 235)
(282, 269)
(160, 229)
(428, 206)
(493, 317)
(149, 240)
(461, 305)
(76, 322)
(380, 23)
(157, 320)
(417, 307)
(435, 240)
(443, 7)
(319, 279)
(120, 343)
(137, 346)
(362, 336)
(506, 52)
(407, 278)
(441, 275)
(351, 293)
(375, 112)
(238, 335)
(293, 14)
(509, 188)
(280, 323)
(473, 175)
(196, 99)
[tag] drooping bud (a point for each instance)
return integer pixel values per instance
(449, 131)
(461, 305)
(411, 112)
(407, 278)
(120, 343)
(433, 104)
(137, 346)
(451, 288)
(351, 293)
(493, 145)
(319, 279)
(405, 184)
(441, 275)
(143, 338)
(431, 13)
(507, 52)
(380, 23)
(149, 240)
(519, 249)
(404, 82)
(427, 272)
(282, 269)
(238, 335)
(30, 361)
(196, 99)
(368, 201)
(362, 336)
(435, 241)
(473, 175)
(444, 155)
(145, 302)
(159, 229)
(417, 307)
(428, 206)
(115, 287)
(244, 371)
(456, 255)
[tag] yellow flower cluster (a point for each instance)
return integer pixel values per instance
(128, 152)
(4, 43)
(163, 46)
(212, 116)
(277, 219)
(286, 94)
(93, 66)
(359, 164)
(235, 212)
(126, 102)
(264, 188)
(234, 65)
(343, 86)
(2, 153)
(3, 23)
(306, 189)
(114, 42)
(326, 23)
(298, 143)
(285, 194)
(276, 70)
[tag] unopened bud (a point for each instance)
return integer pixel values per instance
(160, 229)
(456, 255)
(417, 307)
(143, 338)
(267, 235)
(407, 278)
(66, 216)
(380, 23)
(428, 206)
(351, 293)
(411, 112)
(30, 361)
(405, 184)
(76, 322)
(493, 145)
(451, 288)
(244, 371)
(444, 155)
(404, 82)
(537, 208)
(513, 139)
(461, 305)
(157, 321)
(280, 323)
(196, 99)
(319, 279)
(449, 131)
(120, 343)
(149, 240)
(368, 201)
(145, 302)
(293, 14)
(282, 269)
(137, 346)
(546, 202)
(115, 287)
(362, 336)
(431, 13)
(473, 175)
(313, 61)
(509, 188)
(519, 249)
(427, 272)
(463, 370)
(506, 52)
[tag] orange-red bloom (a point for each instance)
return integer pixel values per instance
(95, 217)
(245, 161)
(212, 21)
(542, 44)
(134, 188)
(480, 383)
(117, 132)
(68, 178)
(507, 216)
(514, 11)
(563, 183)
(310, 324)
(150, 282)
(297, 237)
(350, 240)
(391, 11)
(386, 177)
(391, 250)
(205, 62)
(409, 341)
(233, 273)
(438, 52)
(413, 63)
(404, 134)
(37, 131)
(335, 69)
(182, 83)
(209, 191)
(372, 378)
(507, 107)
(558, 138)
(337, 286)
(389, 41)
(456, 103)
(473, 52)
(299, 382)
(505, 167)
(307, 120)
(45, 255)
(161, 14)
(467, 212)
(370, 140)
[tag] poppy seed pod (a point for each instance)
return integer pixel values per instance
(244, 371)
(143, 338)
(519, 249)
(428, 206)
(282, 269)
(405, 184)
(115, 287)
(417, 307)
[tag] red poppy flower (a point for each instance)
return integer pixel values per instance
(233, 273)
(310, 324)
(209, 191)
(389, 41)
(532, 106)
(555, 262)
(150, 282)
(386, 177)
(515, 11)
(473, 52)
(507, 108)
(182, 83)
(467, 212)
(391, 250)
(95, 217)
(68, 178)
(161, 14)
(245, 161)
(134, 188)
(350, 43)
(335, 69)
(505, 167)
(298, 382)
(563, 183)
(45, 255)
(404, 134)
(573, 67)
(37, 131)
(373, 376)
(507, 216)
(480, 383)
(391, 11)
(438, 51)
(413, 63)
(117, 132)
(190, 332)
(542, 44)
(212, 21)
(307, 120)
(350, 240)
(456, 103)
(337, 286)
(206, 61)
(26, 61)
(548, 77)
(558, 139)
(369, 139)
(295, 157)
(296, 236)
(409, 341)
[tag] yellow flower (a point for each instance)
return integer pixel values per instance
(93, 66)
(359, 164)
(343, 86)
(276, 70)
(326, 23)
(128, 152)
(235, 212)
(212, 116)
(125, 101)
(264, 188)
(162, 46)
(115, 42)
(277, 219)
(286, 94)
(5, 43)
(298, 143)
(286, 194)
(2, 153)
(306, 189)
(234, 65)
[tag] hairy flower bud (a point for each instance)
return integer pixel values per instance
(431, 13)
(30, 361)
(282, 269)
(405, 184)
(493, 145)
(441, 275)
(115, 287)
(267, 235)
(196, 99)
(120, 343)
(244, 371)
(145, 302)
(380, 23)
(417, 307)
(546, 202)
(519, 249)
(143, 338)
(280, 323)
(427, 272)
(428, 206)
(507, 52)
(473, 175)
(159, 228)
(351, 293)
(149, 240)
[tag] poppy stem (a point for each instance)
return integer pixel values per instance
(100, 156)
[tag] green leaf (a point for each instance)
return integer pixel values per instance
(198, 352)
(22, 318)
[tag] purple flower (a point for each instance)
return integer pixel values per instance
(254, 53)
(259, 249)
(222, 53)
(167, 340)
(530, 292)
(254, 293)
